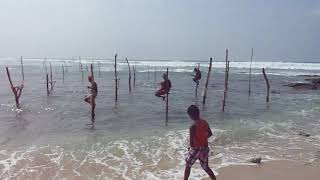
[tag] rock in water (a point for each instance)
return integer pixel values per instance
(304, 134)
(256, 160)
(302, 85)
(313, 83)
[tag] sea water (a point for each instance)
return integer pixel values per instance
(49, 137)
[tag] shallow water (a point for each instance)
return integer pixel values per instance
(49, 138)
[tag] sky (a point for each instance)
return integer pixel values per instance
(278, 30)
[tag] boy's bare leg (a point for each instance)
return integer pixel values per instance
(210, 173)
(187, 172)
(208, 170)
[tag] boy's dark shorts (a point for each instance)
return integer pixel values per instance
(198, 153)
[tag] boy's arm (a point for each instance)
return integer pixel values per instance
(192, 133)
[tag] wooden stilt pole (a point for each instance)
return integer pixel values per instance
(99, 68)
(267, 82)
(148, 73)
(80, 65)
(129, 69)
(167, 102)
(81, 68)
(47, 79)
(51, 82)
(16, 91)
(249, 91)
(62, 73)
(225, 83)
(93, 104)
(199, 82)
(155, 77)
(228, 68)
(116, 77)
(65, 65)
(206, 87)
(22, 69)
(87, 67)
(134, 76)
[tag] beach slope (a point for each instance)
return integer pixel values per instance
(275, 170)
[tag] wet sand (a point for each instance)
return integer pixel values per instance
(275, 170)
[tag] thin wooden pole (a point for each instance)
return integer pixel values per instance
(14, 90)
(129, 69)
(65, 64)
(267, 82)
(249, 91)
(225, 83)
(92, 94)
(148, 73)
(62, 73)
(167, 102)
(87, 67)
(47, 79)
(22, 69)
(116, 77)
(99, 68)
(199, 82)
(206, 86)
(80, 65)
(155, 76)
(9, 77)
(51, 82)
(134, 75)
(228, 68)
(81, 68)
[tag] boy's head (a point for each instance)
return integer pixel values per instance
(193, 112)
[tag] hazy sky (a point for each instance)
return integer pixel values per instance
(161, 29)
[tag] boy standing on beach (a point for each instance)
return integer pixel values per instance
(199, 134)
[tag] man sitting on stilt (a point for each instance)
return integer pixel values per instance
(165, 87)
(196, 75)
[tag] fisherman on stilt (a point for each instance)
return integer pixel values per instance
(91, 98)
(196, 76)
(165, 87)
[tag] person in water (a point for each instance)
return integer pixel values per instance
(91, 98)
(165, 87)
(199, 149)
(196, 75)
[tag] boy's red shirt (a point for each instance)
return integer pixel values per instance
(200, 134)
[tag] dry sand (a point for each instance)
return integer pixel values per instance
(272, 170)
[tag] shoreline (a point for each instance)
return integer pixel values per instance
(274, 169)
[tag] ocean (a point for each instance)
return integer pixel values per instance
(48, 137)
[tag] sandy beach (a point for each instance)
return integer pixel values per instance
(275, 170)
